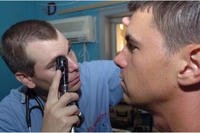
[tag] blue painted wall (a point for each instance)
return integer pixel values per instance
(14, 11)
(10, 13)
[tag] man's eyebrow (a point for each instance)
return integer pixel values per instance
(69, 43)
(51, 62)
(131, 39)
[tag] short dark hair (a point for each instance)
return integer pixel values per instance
(15, 39)
(177, 21)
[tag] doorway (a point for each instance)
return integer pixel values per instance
(117, 34)
(110, 21)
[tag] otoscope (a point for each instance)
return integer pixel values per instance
(62, 64)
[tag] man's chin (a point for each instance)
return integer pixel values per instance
(127, 99)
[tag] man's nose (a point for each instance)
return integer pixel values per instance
(73, 65)
(120, 59)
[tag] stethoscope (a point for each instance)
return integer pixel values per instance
(31, 94)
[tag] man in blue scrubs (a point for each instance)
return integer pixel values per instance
(30, 49)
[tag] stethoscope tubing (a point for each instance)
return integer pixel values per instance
(40, 106)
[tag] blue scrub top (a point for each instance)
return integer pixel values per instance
(100, 89)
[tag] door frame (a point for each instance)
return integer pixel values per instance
(105, 26)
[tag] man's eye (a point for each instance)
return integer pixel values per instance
(53, 66)
(131, 47)
(70, 53)
(69, 50)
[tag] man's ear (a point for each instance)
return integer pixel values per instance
(190, 67)
(25, 79)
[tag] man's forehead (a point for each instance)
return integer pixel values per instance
(43, 51)
(39, 49)
(144, 16)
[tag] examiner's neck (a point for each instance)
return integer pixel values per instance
(41, 93)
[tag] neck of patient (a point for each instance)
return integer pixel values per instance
(182, 114)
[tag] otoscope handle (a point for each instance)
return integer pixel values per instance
(62, 64)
